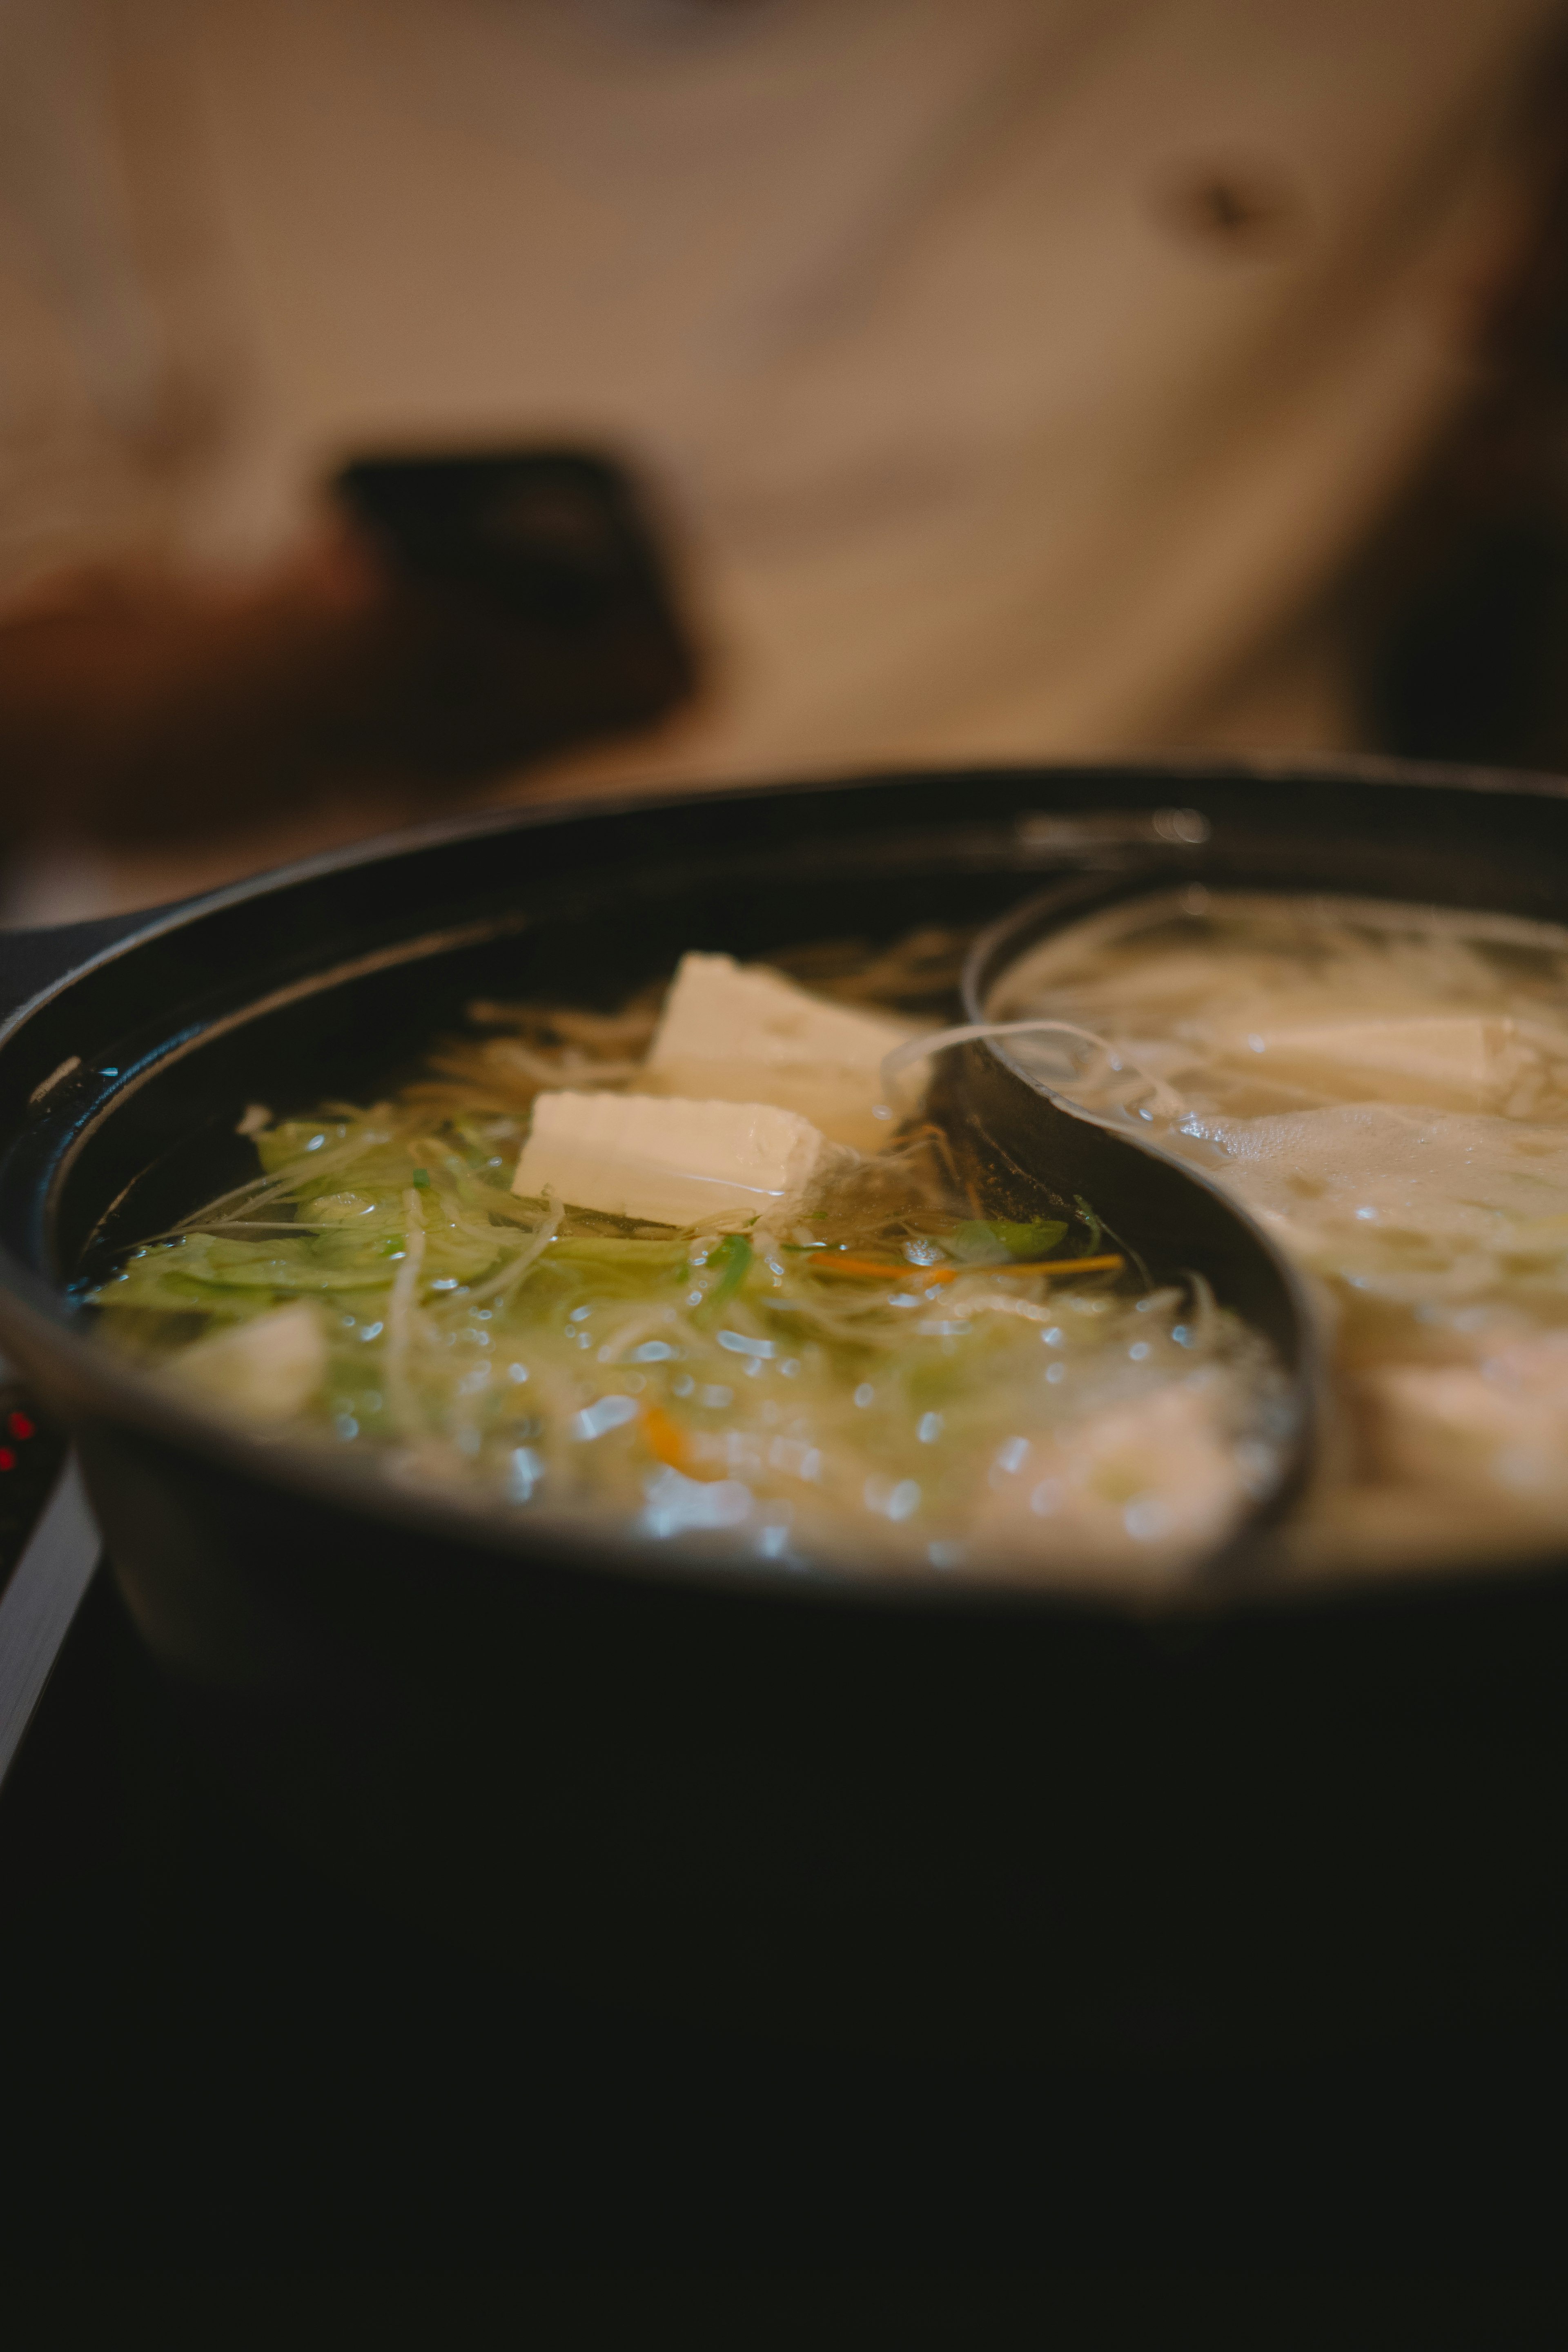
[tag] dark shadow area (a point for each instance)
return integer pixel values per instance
(215, 2062)
(1476, 669)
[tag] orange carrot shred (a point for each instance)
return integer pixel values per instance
(870, 1266)
(1107, 1264)
(667, 1442)
(663, 1439)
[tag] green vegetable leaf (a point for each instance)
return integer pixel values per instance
(616, 1254)
(992, 1241)
(735, 1254)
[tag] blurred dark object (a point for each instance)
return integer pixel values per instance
(1242, 208)
(461, 614)
(1476, 667)
(1467, 596)
(535, 596)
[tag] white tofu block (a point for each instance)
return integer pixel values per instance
(266, 1370)
(730, 1034)
(1453, 1061)
(1067, 1497)
(667, 1161)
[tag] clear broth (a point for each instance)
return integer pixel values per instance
(882, 1379)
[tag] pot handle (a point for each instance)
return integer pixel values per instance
(33, 961)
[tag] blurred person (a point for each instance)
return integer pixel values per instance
(1009, 380)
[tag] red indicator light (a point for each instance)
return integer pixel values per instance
(8, 1459)
(20, 1427)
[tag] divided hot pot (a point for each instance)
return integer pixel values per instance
(1245, 1809)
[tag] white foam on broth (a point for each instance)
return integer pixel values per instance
(1385, 1087)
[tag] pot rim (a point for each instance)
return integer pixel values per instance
(36, 1317)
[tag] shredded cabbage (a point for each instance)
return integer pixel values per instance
(888, 1378)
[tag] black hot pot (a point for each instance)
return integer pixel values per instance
(1250, 1815)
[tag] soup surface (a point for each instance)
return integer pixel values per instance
(686, 1265)
(1386, 1089)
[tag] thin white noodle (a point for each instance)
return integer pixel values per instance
(997, 1302)
(400, 1308)
(504, 1284)
(506, 1205)
(847, 1329)
(1205, 1313)
(633, 1330)
(972, 1033)
(509, 1054)
(307, 1164)
(269, 1225)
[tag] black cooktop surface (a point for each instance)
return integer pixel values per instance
(214, 2059)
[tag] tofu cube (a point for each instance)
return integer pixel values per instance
(668, 1161)
(735, 1035)
(1453, 1061)
(266, 1370)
